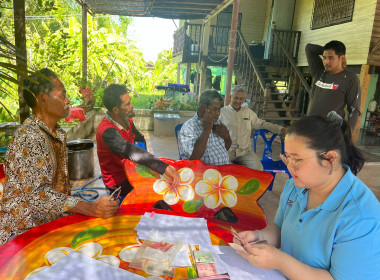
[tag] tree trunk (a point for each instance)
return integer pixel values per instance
(84, 45)
(21, 60)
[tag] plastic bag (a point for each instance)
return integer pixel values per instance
(156, 254)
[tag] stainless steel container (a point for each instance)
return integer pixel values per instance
(81, 158)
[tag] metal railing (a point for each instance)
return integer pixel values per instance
(219, 40)
(296, 85)
(290, 42)
(285, 73)
(187, 40)
(248, 71)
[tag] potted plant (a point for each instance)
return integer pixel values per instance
(87, 99)
(162, 103)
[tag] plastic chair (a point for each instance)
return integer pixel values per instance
(177, 128)
(269, 164)
(140, 144)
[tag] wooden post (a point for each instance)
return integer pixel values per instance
(188, 73)
(232, 49)
(365, 78)
(84, 44)
(178, 73)
(204, 52)
(202, 83)
(21, 60)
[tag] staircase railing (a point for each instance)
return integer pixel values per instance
(290, 41)
(248, 71)
(282, 58)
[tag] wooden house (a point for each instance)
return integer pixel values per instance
(275, 68)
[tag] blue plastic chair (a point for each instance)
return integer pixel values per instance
(177, 128)
(269, 164)
(140, 144)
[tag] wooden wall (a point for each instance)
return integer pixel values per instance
(254, 14)
(267, 19)
(374, 56)
(356, 35)
(253, 19)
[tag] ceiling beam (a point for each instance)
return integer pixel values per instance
(218, 9)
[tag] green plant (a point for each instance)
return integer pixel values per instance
(8, 71)
(72, 123)
(162, 103)
(86, 96)
(144, 100)
(54, 42)
(185, 101)
(99, 97)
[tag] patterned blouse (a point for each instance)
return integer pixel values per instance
(36, 186)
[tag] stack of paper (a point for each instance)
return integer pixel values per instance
(194, 231)
(191, 230)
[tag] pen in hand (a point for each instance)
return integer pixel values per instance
(112, 194)
(235, 234)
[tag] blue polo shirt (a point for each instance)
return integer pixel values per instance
(342, 235)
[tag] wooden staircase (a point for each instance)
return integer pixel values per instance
(276, 90)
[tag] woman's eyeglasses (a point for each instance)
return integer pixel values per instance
(296, 162)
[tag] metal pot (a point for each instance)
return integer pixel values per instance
(81, 158)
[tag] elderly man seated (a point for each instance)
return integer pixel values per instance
(37, 185)
(240, 121)
(205, 137)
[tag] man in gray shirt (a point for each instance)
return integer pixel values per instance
(334, 88)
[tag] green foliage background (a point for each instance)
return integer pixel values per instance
(54, 40)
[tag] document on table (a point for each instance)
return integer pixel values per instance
(239, 268)
(195, 231)
(192, 230)
(76, 266)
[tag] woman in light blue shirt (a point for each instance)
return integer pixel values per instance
(327, 224)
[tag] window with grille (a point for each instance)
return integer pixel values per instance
(328, 12)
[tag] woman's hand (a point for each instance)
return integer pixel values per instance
(247, 236)
(262, 255)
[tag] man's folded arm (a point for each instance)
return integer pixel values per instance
(314, 60)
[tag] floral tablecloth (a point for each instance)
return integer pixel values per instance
(224, 195)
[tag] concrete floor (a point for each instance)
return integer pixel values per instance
(167, 147)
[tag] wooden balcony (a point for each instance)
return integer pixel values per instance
(187, 41)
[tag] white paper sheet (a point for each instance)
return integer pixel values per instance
(195, 232)
(191, 230)
(76, 266)
(239, 268)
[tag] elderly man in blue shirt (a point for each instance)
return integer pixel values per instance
(205, 137)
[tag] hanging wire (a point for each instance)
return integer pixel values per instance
(217, 60)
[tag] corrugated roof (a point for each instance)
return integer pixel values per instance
(174, 9)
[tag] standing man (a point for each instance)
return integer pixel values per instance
(240, 121)
(115, 138)
(334, 88)
(37, 186)
(205, 137)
